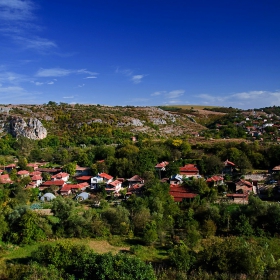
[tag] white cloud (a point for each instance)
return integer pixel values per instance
(90, 77)
(68, 97)
(175, 93)
(243, 100)
(157, 93)
(16, 10)
(17, 95)
(38, 83)
(85, 71)
(50, 83)
(35, 43)
(53, 72)
(79, 86)
(12, 78)
(18, 24)
(60, 72)
(137, 79)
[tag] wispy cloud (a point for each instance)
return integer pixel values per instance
(68, 97)
(157, 93)
(136, 79)
(18, 94)
(35, 43)
(18, 23)
(61, 72)
(79, 86)
(16, 10)
(243, 100)
(8, 77)
(53, 72)
(174, 93)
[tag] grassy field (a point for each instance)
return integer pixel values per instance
(195, 107)
(113, 245)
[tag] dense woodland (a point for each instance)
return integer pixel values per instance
(202, 238)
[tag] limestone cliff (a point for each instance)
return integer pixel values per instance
(32, 128)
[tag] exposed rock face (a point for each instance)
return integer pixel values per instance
(32, 128)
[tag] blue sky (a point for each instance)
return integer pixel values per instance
(141, 53)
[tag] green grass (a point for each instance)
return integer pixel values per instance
(149, 253)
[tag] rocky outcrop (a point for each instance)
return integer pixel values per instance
(31, 128)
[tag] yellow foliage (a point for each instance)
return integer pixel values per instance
(177, 142)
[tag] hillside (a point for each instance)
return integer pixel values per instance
(89, 121)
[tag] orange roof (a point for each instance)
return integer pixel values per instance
(36, 177)
(227, 162)
(60, 175)
(135, 178)
(84, 178)
(162, 164)
(115, 183)
(54, 183)
(189, 167)
(23, 172)
(106, 176)
(5, 178)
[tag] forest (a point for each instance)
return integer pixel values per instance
(206, 237)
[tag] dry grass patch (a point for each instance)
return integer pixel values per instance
(103, 246)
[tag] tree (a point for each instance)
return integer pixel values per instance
(70, 168)
(150, 233)
(181, 257)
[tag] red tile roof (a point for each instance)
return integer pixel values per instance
(106, 176)
(60, 175)
(227, 163)
(162, 164)
(180, 192)
(5, 178)
(135, 178)
(83, 178)
(215, 179)
(23, 172)
(115, 183)
(36, 177)
(54, 183)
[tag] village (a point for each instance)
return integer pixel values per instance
(87, 186)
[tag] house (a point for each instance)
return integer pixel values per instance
(72, 188)
(238, 197)
(135, 189)
(161, 166)
(180, 193)
(23, 173)
(276, 169)
(57, 183)
(61, 176)
(189, 170)
(5, 179)
(34, 173)
(51, 171)
(37, 180)
(82, 179)
(66, 189)
(243, 186)
(114, 187)
(33, 165)
(136, 179)
(215, 180)
(176, 179)
(101, 178)
(9, 167)
(82, 171)
(229, 167)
